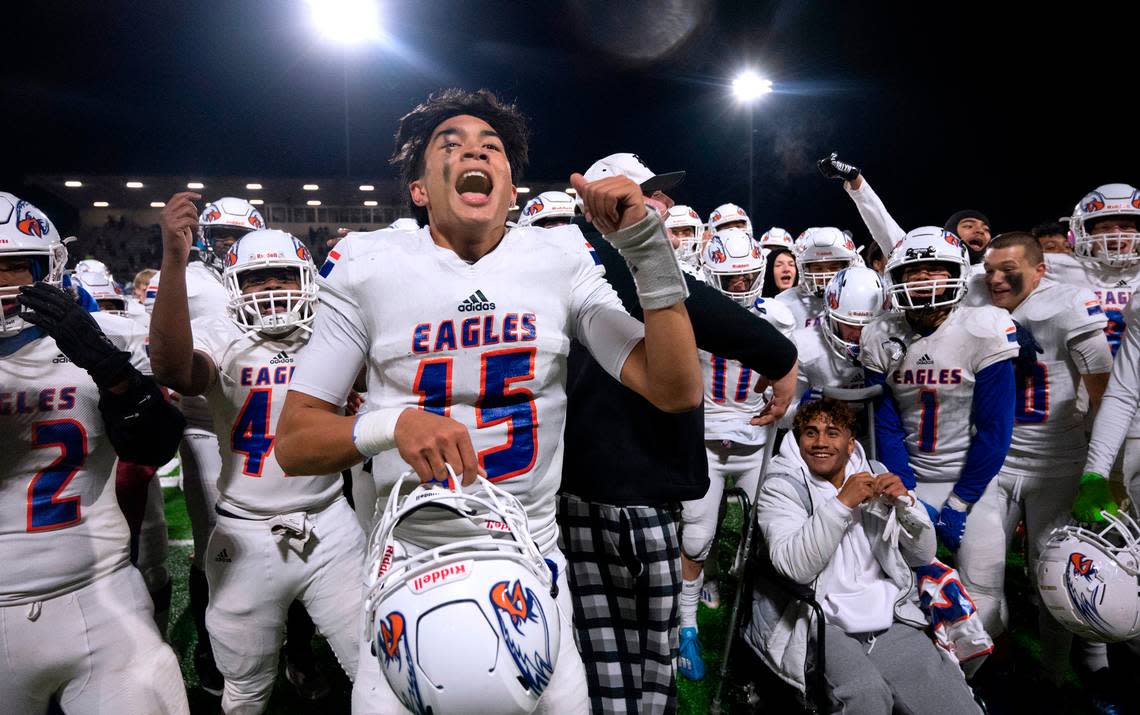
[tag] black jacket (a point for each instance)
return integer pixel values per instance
(622, 450)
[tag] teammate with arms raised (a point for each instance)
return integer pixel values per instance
(76, 622)
(947, 415)
(733, 263)
(482, 391)
(298, 528)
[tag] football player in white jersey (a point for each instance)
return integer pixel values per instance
(481, 388)
(947, 415)
(298, 528)
(548, 210)
(1039, 478)
(684, 228)
(219, 225)
(829, 351)
(729, 216)
(76, 622)
(733, 263)
(820, 254)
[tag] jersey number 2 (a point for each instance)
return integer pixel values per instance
(500, 401)
(46, 509)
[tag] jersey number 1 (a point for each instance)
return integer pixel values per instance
(500, 401)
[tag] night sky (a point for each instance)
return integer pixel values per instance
(1017, 114)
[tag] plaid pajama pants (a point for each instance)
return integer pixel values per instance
(624, 571)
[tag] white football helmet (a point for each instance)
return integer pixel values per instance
(681, 217)
(1088, 579)
(273, 312)
(467, 624)
(928, 244)
(26, 233)
(822, 245)
(548, 209)
(729, 213)
(731, 253)
(1118, 248)
(228, 215)
(853, 297)
(101, 286)
(776, 237)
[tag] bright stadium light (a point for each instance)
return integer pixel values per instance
(157, 204)
(367, 187)
(134, 184)
(312, 202)
(195, 185)
(350, 22)
(253, 187)
(256, 202)
(73, 184)
(100, 204)
(371, 203)
(749, 86)
(570, 190)
(311, 187)
(523, 189)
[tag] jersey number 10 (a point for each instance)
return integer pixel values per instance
(500, 401)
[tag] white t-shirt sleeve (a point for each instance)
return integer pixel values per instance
(1120, 402)
(884, 229)
(327, 366)
(600, 321)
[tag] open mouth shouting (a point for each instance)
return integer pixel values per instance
(474, 187)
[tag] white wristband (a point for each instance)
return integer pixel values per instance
(375, 432)
(957, 503)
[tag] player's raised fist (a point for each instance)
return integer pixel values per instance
(832, 168)
(612, 203)
(428, 441)
(179, 221)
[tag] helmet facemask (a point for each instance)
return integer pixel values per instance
(1116, 249)
(275, 312)
(934, 293)
(45, 265)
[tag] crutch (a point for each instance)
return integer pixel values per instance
(865, 395)
(746, 547)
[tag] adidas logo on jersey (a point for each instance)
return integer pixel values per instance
(476, 302)
(1122, 283)
(60, 359)
(223, 557)
(925, 360)
(281, 358)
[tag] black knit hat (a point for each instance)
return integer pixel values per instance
(959, 216)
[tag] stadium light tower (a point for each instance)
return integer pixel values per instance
(748, 88)
(346, 23)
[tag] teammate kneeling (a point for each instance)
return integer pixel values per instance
(279, 537)
(945, 422)
(827, 514)
(76, 622)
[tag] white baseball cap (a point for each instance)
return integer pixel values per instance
(632, 166)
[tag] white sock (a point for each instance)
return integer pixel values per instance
(690, 597)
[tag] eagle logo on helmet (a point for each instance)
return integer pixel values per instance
(231, 256)
(534, 207)
(526, 632)
(255, 221)
(302, 251)
(833, 299)
(739, 211)
(716, 251)
(212, 213)
(1085, 589)
(716, 216)
(28, 222)
(394, 651)
(1136, 199)
(952, 239)
(1093, 202)
(693, 214)
(756, 252)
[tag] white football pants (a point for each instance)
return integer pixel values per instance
(201, 467)
(254, 576)
(96, 649)
(741, 462)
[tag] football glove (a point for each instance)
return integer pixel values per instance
(76, 333)
(1093, 497)
(832, 168)
(951, 524)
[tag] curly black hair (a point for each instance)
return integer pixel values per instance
(416, 127)
(835, 412)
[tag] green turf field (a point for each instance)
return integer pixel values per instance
(1018, 693)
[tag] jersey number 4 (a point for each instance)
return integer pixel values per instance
(250, 435)
(46, 509)
(500, 401)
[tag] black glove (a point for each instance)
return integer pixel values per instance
(1028, 349)
(832, 168)
(76, 333)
